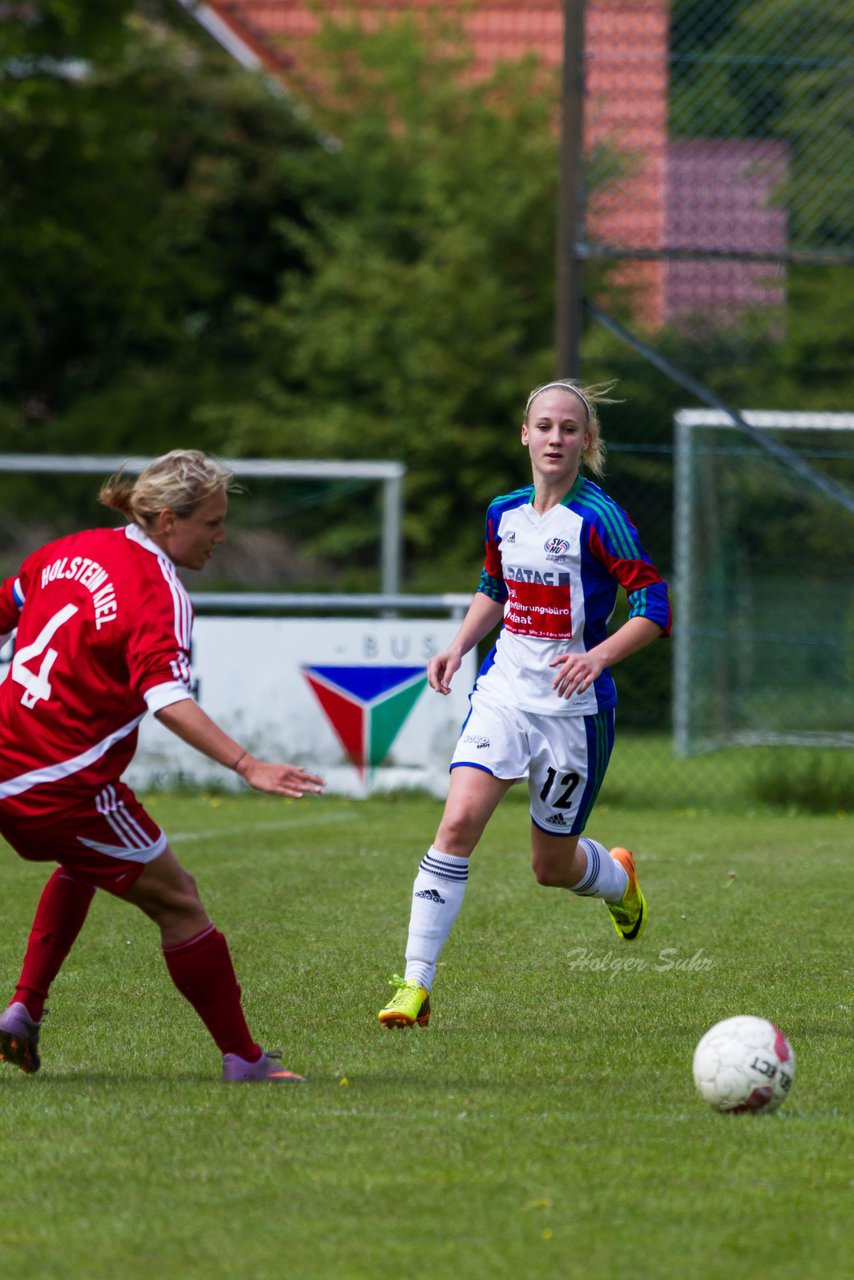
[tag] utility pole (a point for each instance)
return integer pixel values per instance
(571, 197)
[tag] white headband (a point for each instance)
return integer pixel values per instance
(564, 386)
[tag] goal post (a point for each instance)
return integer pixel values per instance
(763, 583)
(388, 474)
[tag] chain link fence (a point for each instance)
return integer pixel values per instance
(729, 128)
(723, 206)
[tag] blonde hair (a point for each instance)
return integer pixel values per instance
(593, 457)
(179, 481)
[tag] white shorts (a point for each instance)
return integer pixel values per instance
(563, 757)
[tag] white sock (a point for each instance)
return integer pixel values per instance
(604, 878)
(437, 896)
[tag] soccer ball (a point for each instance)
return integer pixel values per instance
(744, 1064)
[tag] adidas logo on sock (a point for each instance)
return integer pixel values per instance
(432, 895)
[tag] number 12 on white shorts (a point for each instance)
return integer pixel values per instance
(564, 758)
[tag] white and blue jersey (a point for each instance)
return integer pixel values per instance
(557, 576)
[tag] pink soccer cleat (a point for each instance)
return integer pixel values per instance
(19, 1038)
(237, 1070)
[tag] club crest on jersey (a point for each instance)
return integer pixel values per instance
(366, 706)
(556, 549)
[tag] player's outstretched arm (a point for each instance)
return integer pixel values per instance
(192, 725)
(483, 614)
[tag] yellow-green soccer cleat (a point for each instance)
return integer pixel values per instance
(629, 914)
(410, 1005)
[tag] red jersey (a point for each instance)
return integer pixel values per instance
(103, 635)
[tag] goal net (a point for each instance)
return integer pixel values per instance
(763, 582)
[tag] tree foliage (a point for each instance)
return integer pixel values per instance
(368, 276)
(142, 178)
(427, 309)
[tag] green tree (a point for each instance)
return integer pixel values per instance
(142, 178)
(427, 309)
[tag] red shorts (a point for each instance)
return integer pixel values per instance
(105, 839)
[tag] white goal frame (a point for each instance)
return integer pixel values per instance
(389, 474)
(684, 534)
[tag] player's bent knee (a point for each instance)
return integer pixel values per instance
(166, 892)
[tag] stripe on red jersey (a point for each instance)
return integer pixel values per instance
(181, 602)
(183, 610)
(65, 768)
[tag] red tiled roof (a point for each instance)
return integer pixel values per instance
(499, 28)
(625, 67)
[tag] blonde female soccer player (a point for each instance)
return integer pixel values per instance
(103, 636)
(557, 551)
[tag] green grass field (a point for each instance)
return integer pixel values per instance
(544, 1126)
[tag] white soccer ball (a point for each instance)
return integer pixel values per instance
(744, 1064)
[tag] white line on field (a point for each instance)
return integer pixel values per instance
(320, 820)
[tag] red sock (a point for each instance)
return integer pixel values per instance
(59, 918)
(202, 971)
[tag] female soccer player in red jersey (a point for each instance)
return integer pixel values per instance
(103, 635)
(543, 704)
